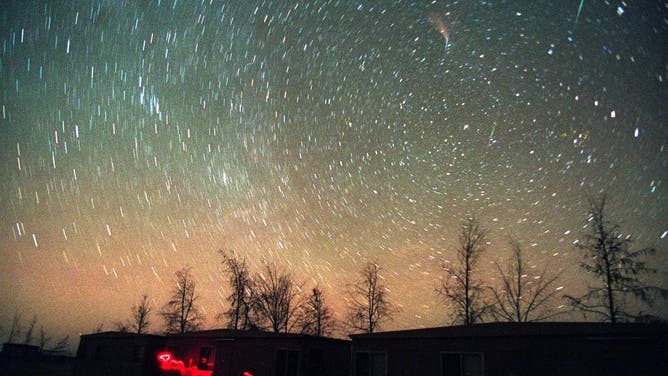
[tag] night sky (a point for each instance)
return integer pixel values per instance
(139, 137)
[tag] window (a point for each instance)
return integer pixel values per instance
(206, 359)
(461, 364)
(287, 363)
(370, 363)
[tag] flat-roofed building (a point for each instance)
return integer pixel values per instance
(514, 349)
(217, 352)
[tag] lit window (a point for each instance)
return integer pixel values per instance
(461, 364)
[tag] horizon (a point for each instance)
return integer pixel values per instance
(138, 140)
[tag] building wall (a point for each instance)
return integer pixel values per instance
(188, 349)
(260, 353)
(260, 356)
(21, 360)
(118, 355)
(556, 355)
(232, 353)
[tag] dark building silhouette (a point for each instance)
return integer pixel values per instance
(114, 353)
(515, 349)
(11, 351)
(212, 352)
(20, 359)
(496, 349)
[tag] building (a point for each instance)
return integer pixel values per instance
(22, 359)
(212, 353)
(115, 353)
(495, 349)
(514, 349)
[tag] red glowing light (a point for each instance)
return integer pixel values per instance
(171, 364)
(246, 373)
(164, 356)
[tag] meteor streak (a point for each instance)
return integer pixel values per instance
(441, 27)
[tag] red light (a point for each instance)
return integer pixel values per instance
(165, 356)
(246, 373)
(171, 364)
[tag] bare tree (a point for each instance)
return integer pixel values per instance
(459, 288)
(28, 335)
(140, 315)
(61, 347)
(241, 283)
(99, 328)
(181, 313)
(523, 297)
(15, 328)
(44, 339)
(139, 322)
(316, 317)
(369, 303)
(275, 299)
(616, 268)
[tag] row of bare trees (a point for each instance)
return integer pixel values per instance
(270, 300)
(30, 335)
(274, 300)
(617, 290)
(520, 296)
(181, 313)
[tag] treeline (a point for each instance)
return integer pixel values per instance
(32, 334)
(273, 299)
(617, 287)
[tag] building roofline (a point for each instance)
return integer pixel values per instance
(120, 335)
(227, 334)
(216, 334)
(511, 329)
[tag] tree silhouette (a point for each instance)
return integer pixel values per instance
(139, 322)
(239, 314)
(523, 297)
(61, 347)
(181, 313)
(616, 268)
(44, 339)
(29, 333)
(275, 299)
(15, 328)
(99, 328)
(463, 292)
(369, 304)
(316, 318)
(140, 315)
